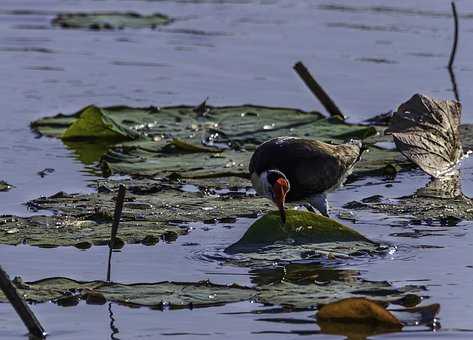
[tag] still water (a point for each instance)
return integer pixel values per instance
(369, 55)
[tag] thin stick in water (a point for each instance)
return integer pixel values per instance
(317, 90)
(455, 36)
(21, 307)
(116, 222)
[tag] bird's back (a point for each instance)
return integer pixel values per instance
(311, 166)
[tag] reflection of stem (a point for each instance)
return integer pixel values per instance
(113, 328)
(455, 36)
(454, 84)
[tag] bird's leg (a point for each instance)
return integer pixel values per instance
(320, 203)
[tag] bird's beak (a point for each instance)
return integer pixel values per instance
(280, 188)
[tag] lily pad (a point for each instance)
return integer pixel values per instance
(302, 227)
(159, 294)
(153, 208)
(229, 134)
(440, 200)
(110, 20)
(94, 123)
(310, 296)
(194, 294)
(4, 186)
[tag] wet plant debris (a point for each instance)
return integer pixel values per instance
(110, 20)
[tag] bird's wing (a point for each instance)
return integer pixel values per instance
(310, 166)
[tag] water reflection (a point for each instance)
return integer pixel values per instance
(113, 328)
(302, 274)
(88, 151)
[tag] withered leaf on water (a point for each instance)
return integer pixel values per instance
(358, 310)
(426, 131)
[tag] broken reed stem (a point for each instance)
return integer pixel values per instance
(317, 90)
(455, 36)
(116, 222)
(21, 307)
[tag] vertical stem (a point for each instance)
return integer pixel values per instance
(21, 307)
(116, 222)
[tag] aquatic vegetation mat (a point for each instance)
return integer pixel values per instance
(153, 210)
(161, 294)
(110, 20)
(162, 140)
(65, 291)
(440, 200)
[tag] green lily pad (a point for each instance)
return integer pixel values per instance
(310, 296)
(94, 123)
(159, 294)
(440, 200)
(203, 293)
(152, 209)
(229, 134)
(362, 133)
(302, 227)
(110, 20)
(4, 186)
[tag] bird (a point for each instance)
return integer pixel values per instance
(300, 170)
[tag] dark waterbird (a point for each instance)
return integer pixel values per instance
(290, 169)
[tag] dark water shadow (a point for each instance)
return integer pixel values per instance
(113, 328)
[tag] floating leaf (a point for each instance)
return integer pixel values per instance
(301, 226)
(4, 186)
(426, 131)
(109, 20)
(159, 294)
(440, 200)
(311, 295)
(195, 294)
(233, 130)
(183, 146)
(362, 133)
(153, 209)
(358, 310)
(94, 122)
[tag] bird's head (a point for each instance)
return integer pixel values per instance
(278, 186)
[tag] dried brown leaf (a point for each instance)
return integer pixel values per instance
(358, 310)
(426, 131)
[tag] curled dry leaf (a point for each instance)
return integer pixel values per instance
(358, 310)
(426, 131)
